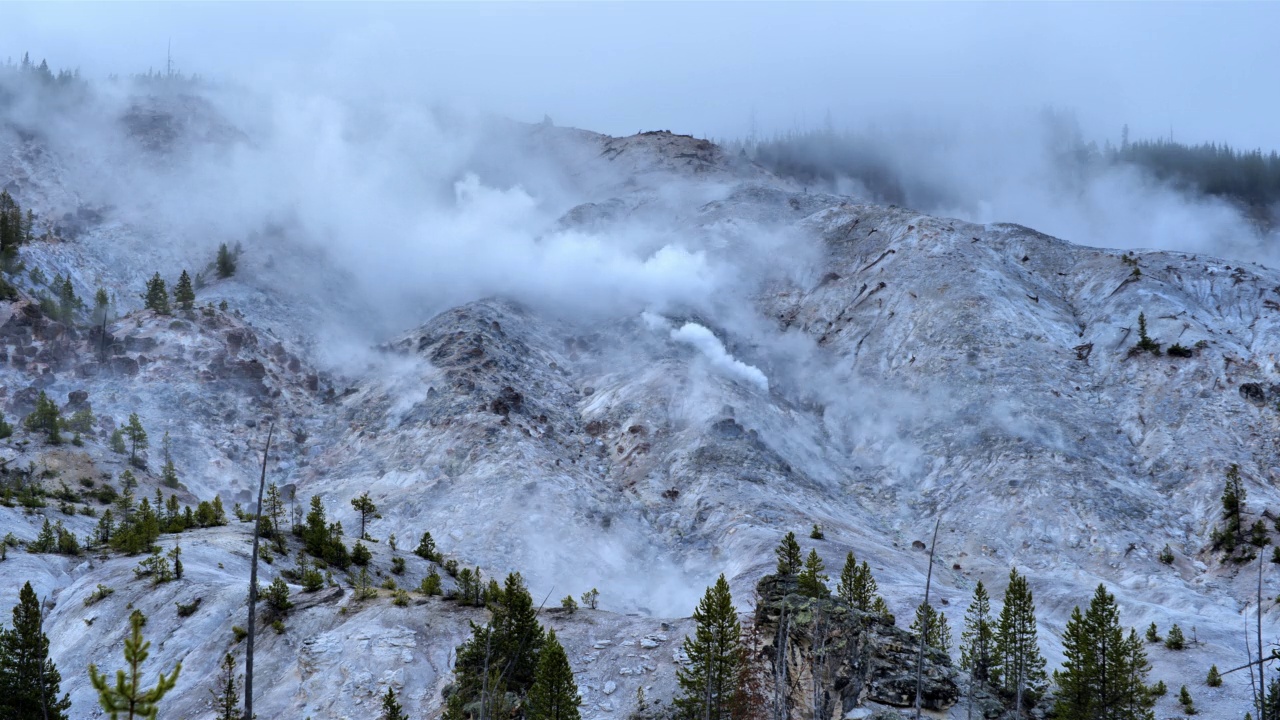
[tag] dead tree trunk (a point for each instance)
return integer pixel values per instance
(924, 626)
(253, 583)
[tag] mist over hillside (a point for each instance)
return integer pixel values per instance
(715, 413)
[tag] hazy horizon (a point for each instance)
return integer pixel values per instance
(719, 70)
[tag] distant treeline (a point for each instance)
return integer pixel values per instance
(823, 159)
(1248, 177)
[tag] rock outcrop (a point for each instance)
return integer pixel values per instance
(826, 658)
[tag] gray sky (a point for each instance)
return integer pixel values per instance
(1208, 71)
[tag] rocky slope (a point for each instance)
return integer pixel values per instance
(861, 367)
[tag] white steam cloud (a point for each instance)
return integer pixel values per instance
(706, 342)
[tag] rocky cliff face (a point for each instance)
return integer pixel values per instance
(769, 359)
(826, 659)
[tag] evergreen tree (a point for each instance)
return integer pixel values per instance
(391, 709)
(1175, 639)
(977, 640)
(273, 511)
(169, 474)
(1215, 678)
(499, 657)
(709, 682)
(1018, 667)
(226, 262)
(29, 681)
(939, 631)
(789, 560)
(183, 293)
(137, 437)
(554, 694)
(1153, 633)
(1231, 535)
(127, 698)
(858, 588)
(157, 295)
(366, 508)
(427, 548)
(117, 442)
(1104, 671)
(226, 696)
(1184, 699)
(813, 583)
(45, 418)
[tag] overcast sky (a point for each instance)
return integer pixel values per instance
(1202, 71)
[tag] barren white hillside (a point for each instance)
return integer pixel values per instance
(661, 362)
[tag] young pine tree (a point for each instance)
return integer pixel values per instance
(45, 418)
(391, 709)
(554, 694)
(1018, 669)
(137, 437)
(857, 587)
(1104, 671)
(789, 560)
(977, 640)
(708, 683)
(1231, 534)
(939, 631)
(157, 295)
(183, 294)
(226, 695)
(29, 681)
(812, 581)
(364, 505)
(427, 548)
(226, 262)
(127, 698)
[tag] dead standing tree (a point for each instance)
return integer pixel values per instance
(253, 581)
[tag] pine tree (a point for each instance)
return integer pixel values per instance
(939, 631)
(554, 694)
(157, 295)
(1153, 633)
(1018, 667)
(708, 683)
(364, 505)
(1184, 699)
(427, 548)
(183, 293)
(813, 583)
(1215, 678)
(391, 709)
(169, 474)
(226, 262)
(46, 417)
(858, 588)
(137, 437)
(226, 696)
(1104, 671)
(500, 656)
(29, 681)
(789, 560)
(117, 442)
(1231, 535)
(127, 698)
(977, 640)
(1175, 639)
